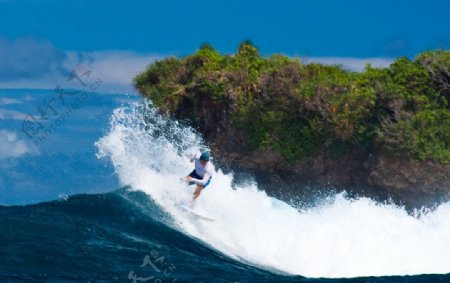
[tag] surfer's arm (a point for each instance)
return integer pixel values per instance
(193, 156)
(203, 181)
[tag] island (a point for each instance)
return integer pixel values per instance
(380, 132)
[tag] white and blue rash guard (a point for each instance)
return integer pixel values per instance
(203, 172)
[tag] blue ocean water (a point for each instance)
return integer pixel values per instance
(96, 200)
(118, 236)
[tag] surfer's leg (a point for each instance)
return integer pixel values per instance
(197, 192)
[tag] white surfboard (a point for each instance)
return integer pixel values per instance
(196, 214)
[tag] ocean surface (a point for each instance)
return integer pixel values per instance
(92, 192)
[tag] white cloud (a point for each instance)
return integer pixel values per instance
(12, 114)
(351, 63)
(36, 63)
(12, 146)
(113, 66)
(7, 100)
(29, 58)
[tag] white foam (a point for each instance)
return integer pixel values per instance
(341, 238)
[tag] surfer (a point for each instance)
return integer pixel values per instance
(202, 173)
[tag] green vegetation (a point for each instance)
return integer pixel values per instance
(297, 109)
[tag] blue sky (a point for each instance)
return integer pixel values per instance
(110, 35)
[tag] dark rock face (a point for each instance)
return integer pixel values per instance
(405, 181)
(407, 178)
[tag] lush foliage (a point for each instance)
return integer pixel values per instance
(297, 109)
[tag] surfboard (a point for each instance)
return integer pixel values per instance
(196, 213)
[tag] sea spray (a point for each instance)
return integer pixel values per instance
(341, 238)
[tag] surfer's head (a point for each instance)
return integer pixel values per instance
(204, 158)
